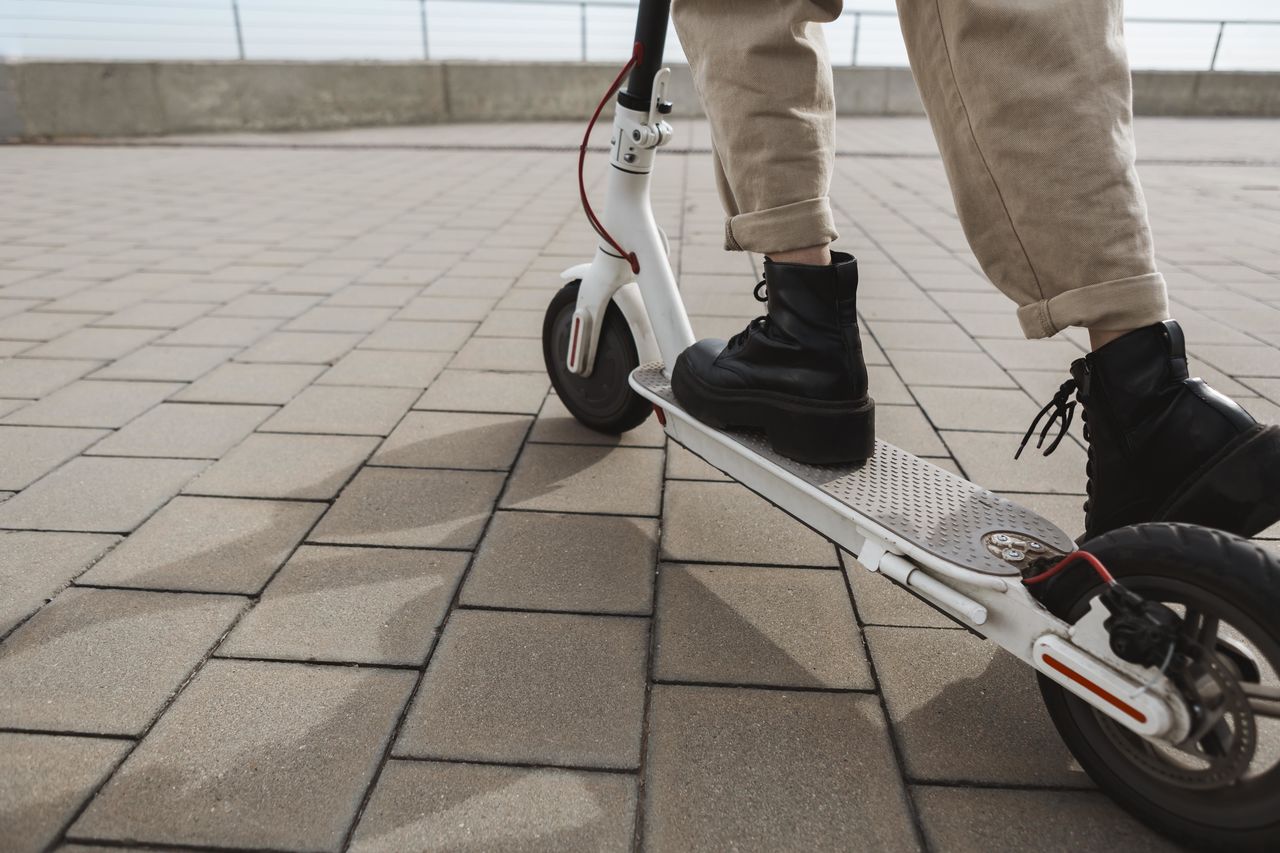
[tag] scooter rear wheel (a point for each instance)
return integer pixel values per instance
(604, 400)
(1220, 791)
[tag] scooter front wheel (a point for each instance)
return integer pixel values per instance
(604, 400)
(1220, 788)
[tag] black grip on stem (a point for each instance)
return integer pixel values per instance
(651, 34)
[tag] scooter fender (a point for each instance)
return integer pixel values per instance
(588, 319)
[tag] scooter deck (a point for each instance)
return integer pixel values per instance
(917, 502)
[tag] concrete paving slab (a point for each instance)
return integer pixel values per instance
(683, 465)
(185, 431)
(172, 364)
(260, 384)
(208, 545)
(302, 467)
(221, 331)
(977, 409)
(485, 354)
(91, 403)
(429, 804)
(267, 305)
(106, 661)
(906, 427)
(411, 508)
(774, 627)
(98, 495)
(105, 344)
(1066, 511)
(343, 410)
(35, 566)
(481, 391)
(32, 452)
(725, 523)
(512, 323)
(967, 712)
(156, 315)
(535, 688)
(367, 605)
(555, 561)
(254, 754)
(1235, 360)
(918, 310)
(389, 369)
(300, 348)
(446, 337)
(988, 460)
(729, 769)
(583, 478)
(44, 779)
(881, 601)
(557, 426)
(970, 820)
(454, 440)
(310, 283)
(950, 369)
(339, 319)
(904, 335)
(440, 309)
(456, 285)
(373, 296)
(44, 325)
(1033, 355)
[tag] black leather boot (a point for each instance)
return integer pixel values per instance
(796, 373)
(1163, 446)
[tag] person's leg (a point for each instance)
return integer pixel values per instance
(1030, 101)
(1030, 104)
(761, 69)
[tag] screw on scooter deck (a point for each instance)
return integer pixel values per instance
(923, 507)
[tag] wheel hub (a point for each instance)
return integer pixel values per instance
(1223, 737)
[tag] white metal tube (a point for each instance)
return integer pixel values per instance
(939, 593)
(628, 215)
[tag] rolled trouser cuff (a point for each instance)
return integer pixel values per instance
(1125, 303)
(798, 225)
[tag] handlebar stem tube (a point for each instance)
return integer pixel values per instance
(651, 34)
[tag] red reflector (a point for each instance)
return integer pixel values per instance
(1095, 689)
(662, 416)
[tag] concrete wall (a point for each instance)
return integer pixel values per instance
(40, 100)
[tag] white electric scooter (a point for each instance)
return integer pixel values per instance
(1156, 646)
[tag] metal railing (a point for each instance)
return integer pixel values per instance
(433, 29)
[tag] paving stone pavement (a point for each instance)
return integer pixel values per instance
(299, 551)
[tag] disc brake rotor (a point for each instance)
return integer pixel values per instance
(1223, 737)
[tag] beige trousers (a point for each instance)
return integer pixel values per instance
(1030, 102)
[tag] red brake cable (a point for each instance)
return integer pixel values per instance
(637, 51)
(1066, 561)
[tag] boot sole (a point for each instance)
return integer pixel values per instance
(1238, 491)
(810, 431)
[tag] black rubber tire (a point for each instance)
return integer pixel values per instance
(604, 400)
(1176, 560)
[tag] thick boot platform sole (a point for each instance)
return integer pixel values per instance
(809, 431)
(1238, 491)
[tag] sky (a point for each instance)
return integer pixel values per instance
(529, 29)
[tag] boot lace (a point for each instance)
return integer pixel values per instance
(1062, 409)
(760, 324)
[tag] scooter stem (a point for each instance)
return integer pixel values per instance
(651, 35)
